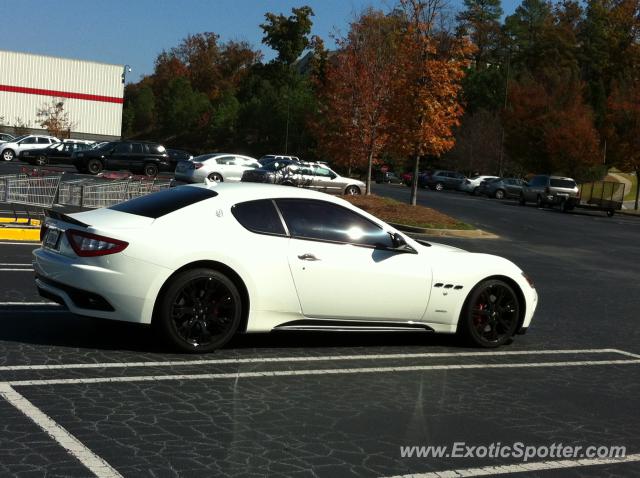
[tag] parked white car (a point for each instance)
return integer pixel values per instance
(257, 257)
(218, 167)
(13, 148)
(470, 185)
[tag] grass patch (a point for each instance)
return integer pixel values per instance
(390, 210)
(631, 194)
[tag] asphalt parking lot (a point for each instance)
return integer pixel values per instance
(84, 397)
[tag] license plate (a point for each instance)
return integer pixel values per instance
(52, 238)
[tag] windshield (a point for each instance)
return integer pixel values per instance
(203, 157)
(15, 140)
(562, 183)
(105, 146)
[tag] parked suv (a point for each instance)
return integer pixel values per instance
(439, 180)
(13, 148)
(135, 156)
(547, 190)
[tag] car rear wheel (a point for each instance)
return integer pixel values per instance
(352, 191)
(522, 201)
(215, 177)
(199, 311)
(499, 194)
(539, 201)
(491, 314)
(439, 187)
(150, 170)
(8, 155)
(94, 166)
(41, 160)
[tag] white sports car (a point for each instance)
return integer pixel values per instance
(204, 262)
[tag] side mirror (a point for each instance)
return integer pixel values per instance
(399, 244)
(333, 176)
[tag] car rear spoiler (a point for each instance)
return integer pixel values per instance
(63, 217)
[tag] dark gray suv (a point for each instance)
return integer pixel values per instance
(547, 190)
(439, 180)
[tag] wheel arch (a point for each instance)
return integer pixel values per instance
(220, 267)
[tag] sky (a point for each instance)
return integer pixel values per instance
(134, 32)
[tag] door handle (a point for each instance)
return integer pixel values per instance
(308, 257)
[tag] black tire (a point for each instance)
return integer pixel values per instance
(610, 213)
(490, 315)
(215, 177)
(8, 155)
(521, 200)
(474, 192)
(150, 169)
(94, 166)
(564, 207)
(352, 191)
(499, 194)
(539, 201)
(199, 311)
(42, 160)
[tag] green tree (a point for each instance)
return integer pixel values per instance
(183, 108)
(289, 36)
(480, 20)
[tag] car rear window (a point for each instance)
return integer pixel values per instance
(562, 183)
(163, 202)
(259, 216)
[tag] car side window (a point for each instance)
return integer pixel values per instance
(259, 216)
(324, 172)
(29, 141)
(324, 221)
(136, 148)
(226, 160)
(123, 148)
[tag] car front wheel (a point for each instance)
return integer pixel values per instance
(215, 177)
(199, 311)
(439, 187)
(491, 314)
(8, 155)
(150, 170)
(499, 194)
(352, 191)
(41, 160)
(94, 166)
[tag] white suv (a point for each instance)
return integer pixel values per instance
(13, 148)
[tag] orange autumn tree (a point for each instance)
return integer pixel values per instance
(426, 105)
(353, 122)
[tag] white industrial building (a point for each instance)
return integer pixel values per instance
(92, 93)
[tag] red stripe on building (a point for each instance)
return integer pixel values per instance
(60, 94)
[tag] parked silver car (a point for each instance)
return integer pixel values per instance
(302, 174)
(217, 167)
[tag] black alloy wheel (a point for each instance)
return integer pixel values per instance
(491, 314)
(200, 310)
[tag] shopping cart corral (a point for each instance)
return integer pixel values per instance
(27, 194)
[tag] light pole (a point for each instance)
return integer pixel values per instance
(125, 70)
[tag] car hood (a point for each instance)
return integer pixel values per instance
(437, 247)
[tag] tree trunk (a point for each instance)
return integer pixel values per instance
(414, 183)
(637, 187)
(369, 168)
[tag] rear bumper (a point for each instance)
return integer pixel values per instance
(115, 287)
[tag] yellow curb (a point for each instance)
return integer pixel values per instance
(19, 220)
(19, 234)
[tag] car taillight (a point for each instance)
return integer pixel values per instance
(86, 244)
(43, 230)
(197, 165)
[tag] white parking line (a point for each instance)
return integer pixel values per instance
(4, 264)
(47, 304)
(320, 358)
(20, 243)
(523, 468)
(329, 371)
(15, 270)
(84, 455)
